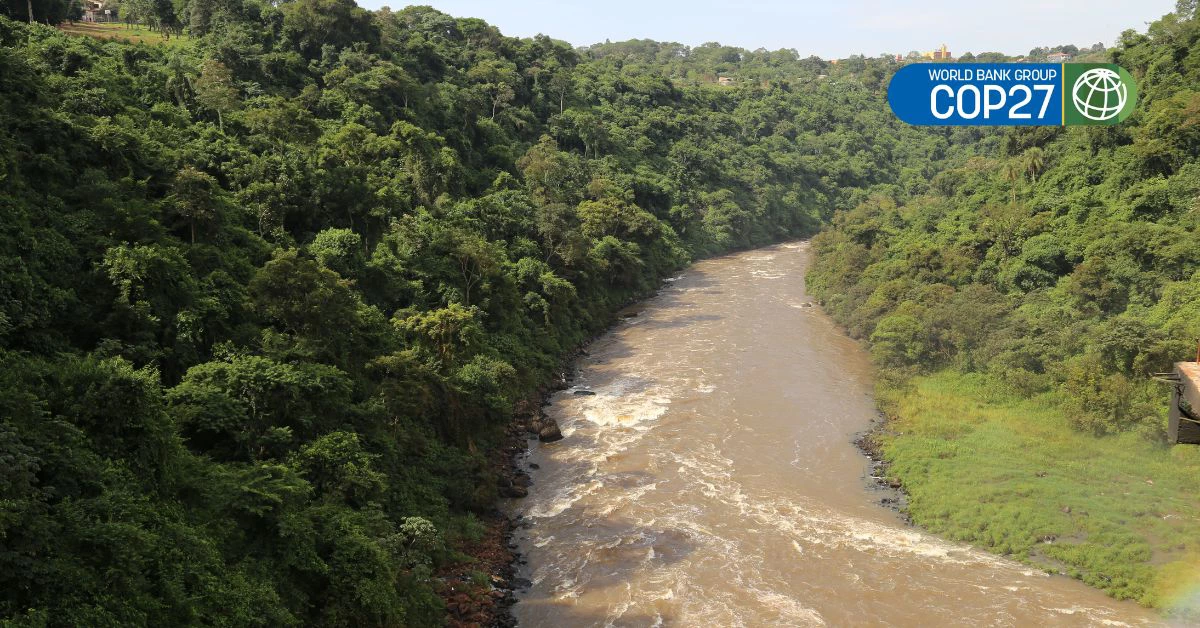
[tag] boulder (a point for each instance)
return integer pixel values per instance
(515, 492)
(549, 432)
(583, 393)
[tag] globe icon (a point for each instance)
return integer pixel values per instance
(1099, 94)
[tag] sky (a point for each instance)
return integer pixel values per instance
(829, 29)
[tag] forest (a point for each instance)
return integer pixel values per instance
(268, 296)
(1018, 308)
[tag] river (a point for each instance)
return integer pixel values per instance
(711, 480)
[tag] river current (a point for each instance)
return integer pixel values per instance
(711, 480)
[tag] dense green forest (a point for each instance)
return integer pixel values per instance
(268, 296)
(1042, 284)
(1068, 258)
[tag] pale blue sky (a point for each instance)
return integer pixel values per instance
(831, 29)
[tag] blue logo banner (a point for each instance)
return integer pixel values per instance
(978, 94)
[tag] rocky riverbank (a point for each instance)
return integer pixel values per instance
(879, 477)
(473, 601)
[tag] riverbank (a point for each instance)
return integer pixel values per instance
(480, 589)
(1010, 475)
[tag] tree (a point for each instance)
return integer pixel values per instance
(255, 408)
(561, 82)
(195, 197)
(1035, 162)
(215, 89)
(452, 334)
(498, 80)
(310, 25)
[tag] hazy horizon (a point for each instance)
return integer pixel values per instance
(828, 30)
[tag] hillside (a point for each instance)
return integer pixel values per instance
(1018, 309)
(268, 296)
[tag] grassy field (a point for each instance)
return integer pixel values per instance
(1120, 513)
(137, 34)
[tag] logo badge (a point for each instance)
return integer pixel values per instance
(1100, 93)
(1012, 94)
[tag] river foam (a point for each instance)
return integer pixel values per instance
(710, 480)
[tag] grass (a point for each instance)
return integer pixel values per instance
(138, 34)
(1010, 475)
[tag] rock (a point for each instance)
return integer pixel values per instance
(630, 315)
(583, 393)
(1066, 510)
(522, 480)
(503, 482)
(534, 465)
(525, 408)
(550, 432)
(521, 583)
(514, 492)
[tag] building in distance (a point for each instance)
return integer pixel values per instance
(941, 54)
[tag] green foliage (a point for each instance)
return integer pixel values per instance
(1061, 267)
(1013, 475)
(272, 292)
(269, 294)
(1077, 243)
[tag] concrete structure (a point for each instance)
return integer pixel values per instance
(1183, 415)
(1058, 57)
(724, 80)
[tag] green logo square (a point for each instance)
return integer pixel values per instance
(1097, 93)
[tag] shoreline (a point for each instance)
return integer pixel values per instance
(878, 478)
(496, 553)
(496, 559)
(470, 604)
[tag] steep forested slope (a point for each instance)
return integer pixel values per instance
(1064, 267)
(266, 299)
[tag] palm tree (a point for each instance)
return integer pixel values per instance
(1035, 162)
(1012, 172)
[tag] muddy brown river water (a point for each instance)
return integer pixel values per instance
(711, 481)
